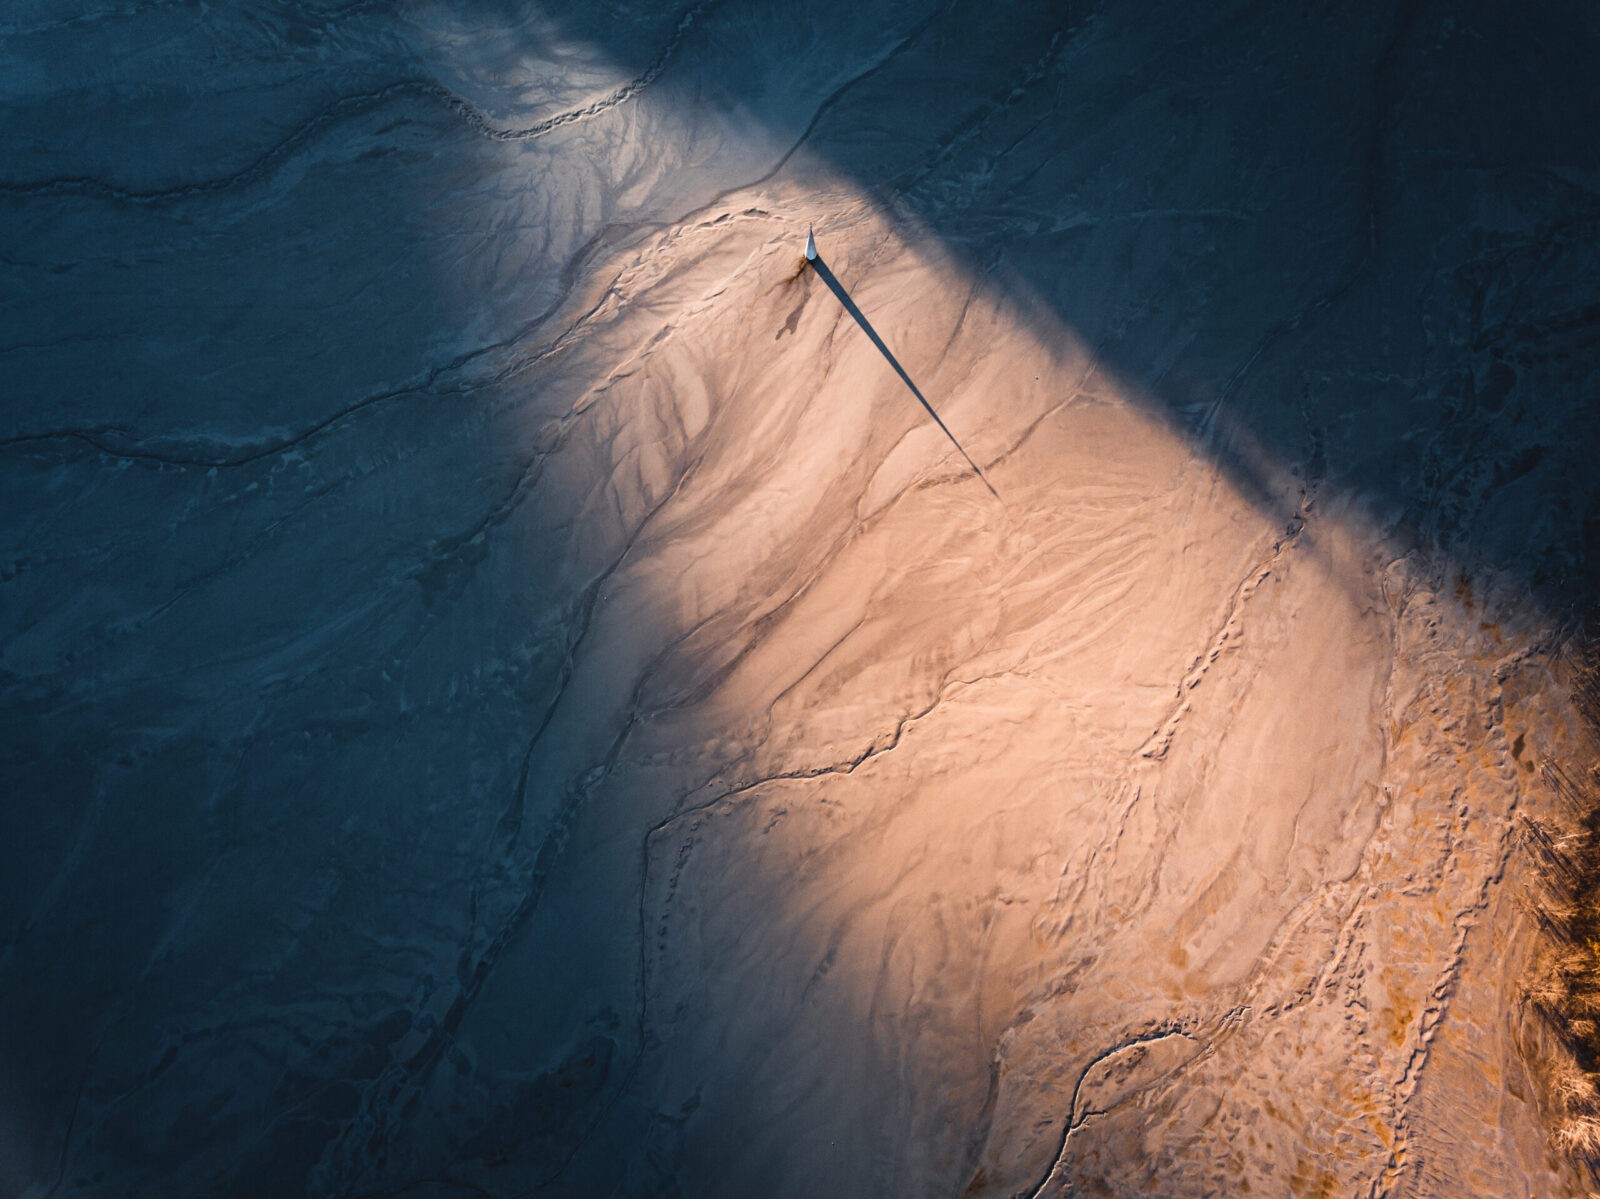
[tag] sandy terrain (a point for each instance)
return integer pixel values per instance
(506, 690)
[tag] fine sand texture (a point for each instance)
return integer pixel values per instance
(514, 683)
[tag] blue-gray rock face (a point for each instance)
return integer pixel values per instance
(512, 683)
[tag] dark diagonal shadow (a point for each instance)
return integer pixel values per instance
(837, 288)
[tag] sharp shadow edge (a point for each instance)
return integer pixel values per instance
(825, 273)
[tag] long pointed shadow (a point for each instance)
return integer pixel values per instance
(837, 288)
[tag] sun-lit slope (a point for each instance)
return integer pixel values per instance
(518, 697)
(1124, 810)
